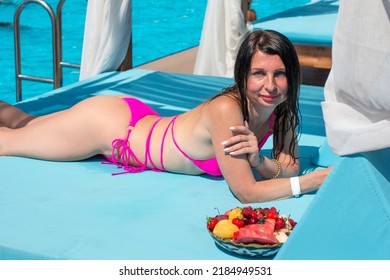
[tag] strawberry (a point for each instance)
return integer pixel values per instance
(292, 223)
(272, 213)
(211, 223)
(238, 222)
(254, 214)
(247, 211)
(280, 223)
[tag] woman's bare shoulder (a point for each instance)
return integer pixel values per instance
(224, 104)
(223, 111)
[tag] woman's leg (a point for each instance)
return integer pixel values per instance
(82, 131)
(13, 117)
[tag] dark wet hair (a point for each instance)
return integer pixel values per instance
(287, 114)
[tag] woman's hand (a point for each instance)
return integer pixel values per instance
(312, 181)
(244, 141)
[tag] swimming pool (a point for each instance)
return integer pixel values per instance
(157, 31)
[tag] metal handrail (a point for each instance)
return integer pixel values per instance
(61, 63)
(58, 64)
(18, 68)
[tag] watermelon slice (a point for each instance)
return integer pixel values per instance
(257, 233)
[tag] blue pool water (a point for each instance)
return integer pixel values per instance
(158, 30)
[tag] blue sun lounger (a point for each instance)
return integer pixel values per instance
(78, 211)
(312, 24)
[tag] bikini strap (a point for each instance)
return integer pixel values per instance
(163, 141)
(272, 120)
(147, 147)
(269, 132)
(177, 146)
(125, 153)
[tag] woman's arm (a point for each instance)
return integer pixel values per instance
(224, 113)
(281, 188)
(245, 142)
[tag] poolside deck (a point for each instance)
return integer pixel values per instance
(181, 62)
(316, 62)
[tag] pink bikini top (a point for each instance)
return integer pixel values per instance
(209, 166)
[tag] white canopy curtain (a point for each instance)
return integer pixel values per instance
(106, 36)
(357, 93)
(223, 28)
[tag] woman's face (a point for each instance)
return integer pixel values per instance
(267, 80)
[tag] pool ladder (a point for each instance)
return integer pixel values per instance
(58, 64)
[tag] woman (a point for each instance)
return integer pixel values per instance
(222, 136)
(251, 14)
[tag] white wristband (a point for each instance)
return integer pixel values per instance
(295, 186)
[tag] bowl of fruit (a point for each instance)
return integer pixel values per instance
(247, 231)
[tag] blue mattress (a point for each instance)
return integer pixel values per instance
(311, 24)
(77, 210)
